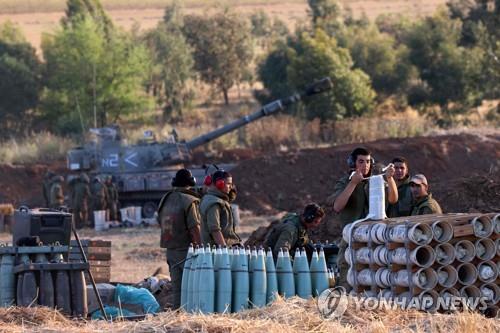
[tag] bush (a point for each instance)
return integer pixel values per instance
(35, 148)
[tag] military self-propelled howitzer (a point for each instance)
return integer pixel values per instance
(143, 172)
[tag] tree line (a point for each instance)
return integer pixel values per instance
(94, 73)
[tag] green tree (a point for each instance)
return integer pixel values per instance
(261, 24)
(172, 69)
(480, 21)
(326, 15)
(20, 84)
(77, 10)
(308, 58)
(88, 73)
(223, 48)
(378, 55)
(448, 70)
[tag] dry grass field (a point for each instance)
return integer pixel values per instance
(37, 17)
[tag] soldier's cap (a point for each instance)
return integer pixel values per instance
(419, 179)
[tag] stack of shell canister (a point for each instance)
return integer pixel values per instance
(39, 275)
(224, 280)
(436, 257)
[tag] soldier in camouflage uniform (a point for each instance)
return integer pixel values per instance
(112, 198)
(179, 218)
(56, 192)
(99, 196)
(47, 182)
(405, 200)
(423, 201)
(351, 197)
(291, 231)
(80, 201)
(217, 226)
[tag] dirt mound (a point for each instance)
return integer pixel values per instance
(288, 181)
(22, 184)
(463, 171)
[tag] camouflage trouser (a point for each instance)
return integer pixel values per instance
(343, 266)
(174, 257)
(81, 216)
(113, 216)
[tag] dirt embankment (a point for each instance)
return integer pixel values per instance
(456, 166)
(463, 172)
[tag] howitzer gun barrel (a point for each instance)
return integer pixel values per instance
(317, 87)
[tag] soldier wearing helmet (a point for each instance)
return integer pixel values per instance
(112, 198)
(56, 192)
(80, 201)
(46, 184)
(179, 218)
(99, 195)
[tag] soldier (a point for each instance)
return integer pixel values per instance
(99, 194)
(423, 201)
(217, 217)
(80, 201)
(112, 198)
(402, 177)
(179, 218)
(56, 192)
(291, 232)
(350, 198)
(47, 182)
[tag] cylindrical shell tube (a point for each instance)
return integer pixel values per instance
(467, 274)
(422, 256)
(7, 281)
(429, 300)
(224, 283)
(485, 248)
(442, 231)
(259, 283)
(185, 279)
(383, 278)
(465, 251)
(483, 226)
(447, 276)
(470, 291)
(424, 278)
(487, 271)
(490, 291)
(418, 233)
(445, 253)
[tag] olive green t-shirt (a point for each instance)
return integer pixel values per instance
(426, 205)
(289, 233)
(357, 205)
(405, 201)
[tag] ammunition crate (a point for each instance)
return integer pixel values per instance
(98, 253)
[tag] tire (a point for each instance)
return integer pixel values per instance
(149, 209)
